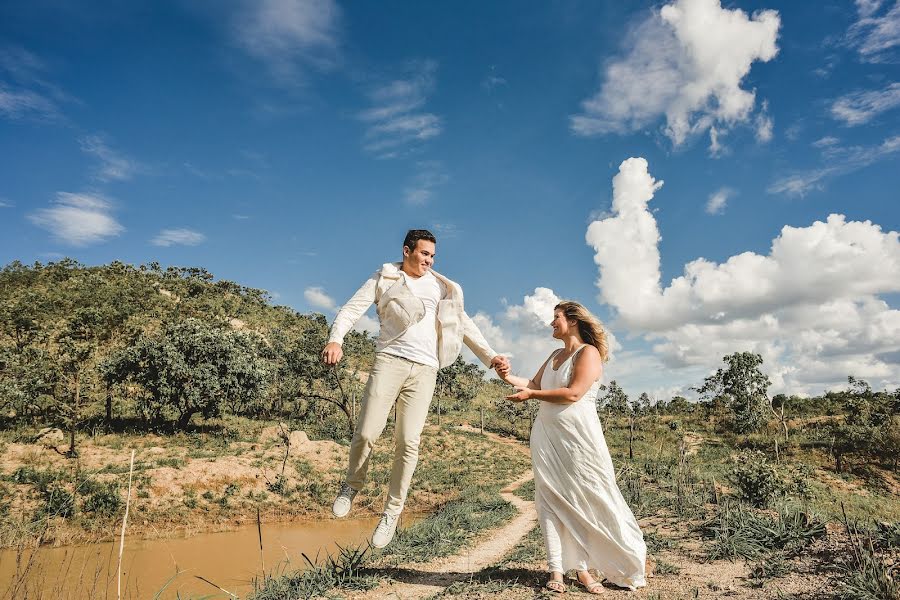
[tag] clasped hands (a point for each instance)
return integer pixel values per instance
(503, 368)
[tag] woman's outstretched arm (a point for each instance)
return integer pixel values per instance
(520, 382)
(587, 369)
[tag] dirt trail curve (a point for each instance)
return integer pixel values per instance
(426, 579)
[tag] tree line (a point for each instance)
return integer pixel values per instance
(862, 423)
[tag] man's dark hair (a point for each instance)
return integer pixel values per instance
(414, 235)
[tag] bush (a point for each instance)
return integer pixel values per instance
(756, 481)
(58, 502)
(103, 501)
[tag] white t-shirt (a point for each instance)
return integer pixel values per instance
(419, 342)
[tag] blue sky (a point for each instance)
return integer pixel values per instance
(288, 145)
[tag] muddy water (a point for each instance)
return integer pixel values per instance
(231, 560)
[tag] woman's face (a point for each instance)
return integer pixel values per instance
(560, 325)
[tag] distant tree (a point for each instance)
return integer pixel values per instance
(644, 403)
(614, 399)
(679, 404)
(871, 427)
(459, 382)
(190, 367)
(742, 387)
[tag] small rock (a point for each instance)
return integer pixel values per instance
(49, 435)
(299, 438)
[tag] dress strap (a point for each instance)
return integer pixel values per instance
(577, 352)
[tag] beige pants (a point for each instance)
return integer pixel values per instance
(411, 385)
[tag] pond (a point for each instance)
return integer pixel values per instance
(230, 560)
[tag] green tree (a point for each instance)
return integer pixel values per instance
(679, 404)
(871, 428)
(460, 382)
(613, 399)
(191, 367)
(742, 387)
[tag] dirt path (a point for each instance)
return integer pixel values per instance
(426, 579)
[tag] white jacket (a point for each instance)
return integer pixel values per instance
(398, 308)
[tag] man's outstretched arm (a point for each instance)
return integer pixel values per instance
(346, 318)
(474, 339)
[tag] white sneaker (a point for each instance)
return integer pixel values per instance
(384, 533)
(344, 501)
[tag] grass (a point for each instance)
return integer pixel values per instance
(344, 570)
(741, 532)
(450, 528)
(441, 534)
(526, 491)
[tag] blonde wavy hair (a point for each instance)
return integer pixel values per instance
(589, 327)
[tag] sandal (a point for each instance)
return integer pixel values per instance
(557, 587)
(594, 587)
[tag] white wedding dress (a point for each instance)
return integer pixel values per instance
(585, 520)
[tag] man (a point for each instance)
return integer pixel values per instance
(423, 326)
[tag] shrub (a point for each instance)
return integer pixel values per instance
(58, 502)
(103, 501)
(756, 481)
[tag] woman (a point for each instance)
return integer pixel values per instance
(584, 518)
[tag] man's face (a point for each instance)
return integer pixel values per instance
(418, 261)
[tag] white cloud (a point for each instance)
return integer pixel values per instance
(17, 103)
(812, 300)
(861, 107)
(113, 166)
(839, 160)
(826, 142)
(877, 32)
(522, 332)
(421, 187)
(289, 35)
(764, 127)
(396, 118)
(78, 219)
(319, 299)
(867, 8)
(178, 237)
(687, 62)
(717, 200)
(24, 90)
(5, 204)
(442, 231)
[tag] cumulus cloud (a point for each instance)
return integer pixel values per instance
(78, 219)
(113, 165)
(522, 332)
(397, 119)
(861, 107)
(289, 35)
(319, 299)
(876, 34)
(717, 200)
(839, 160)
(178, 237)
(685, 62)
(814, 299)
